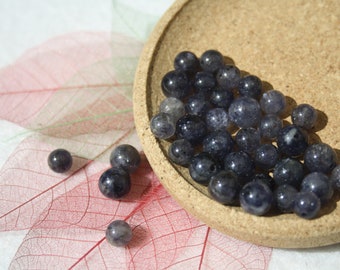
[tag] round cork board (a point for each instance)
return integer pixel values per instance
(293, 47)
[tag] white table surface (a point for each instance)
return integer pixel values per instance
(26, 24)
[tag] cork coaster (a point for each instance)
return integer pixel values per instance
(293, 47)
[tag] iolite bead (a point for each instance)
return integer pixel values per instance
(319, 184)
(250, 86)
(292, 141)
(176, 84)
(191, 128)
(256, 198)
(228, 77)
(162, 125)
(181, 152)
(288, 171)
(60, 160)
(335, 177)
(211, 60)
(307, 205)
(224, 187)
(202, 167)
(186, 61)
(245, 112)
(284, 198)
(273, 102)
(172, 106)
(320, 157)
(114, 183)
(119, 233)
(125, 156)
(304, 115)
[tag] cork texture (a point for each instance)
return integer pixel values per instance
(293, 46)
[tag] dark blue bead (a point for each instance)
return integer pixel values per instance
(211, 60)
(162, 125)
(307, 205)
(172, 106)
(180, 152)
(191, 128)
(250, 86)
(217, 119)
(204, 81)
(186, 61)
(304, 115)
(228, 77)
(284, 197)
(292, 141)
(319, 184)
(224, 187)
(335, 177)
(197, 105)
(270, 126)
(176, 84)
(273, 102)
(218, 144)
(288, 171)
(60, 160)
(248, 139)
(202, 167)
(241, 164)
(266, 156)
(320, 157)
(221, 98)
(114, 183)
(256, 198)
(118, 233)
(245, 112)
(125, 156)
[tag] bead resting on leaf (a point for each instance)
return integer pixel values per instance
(60, 160)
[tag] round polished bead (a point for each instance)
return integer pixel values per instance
(114, 183)
(172, 106)
(292, 141)
(250, 86)
(202, 167)
(180, 152)
(191, 128)
(176, 84)
(320, 157)
(248, 139)
(335, 177)
(221, 98)
(60, 160)
(284, 197)
(224, 187)
(304, 115)
(204, 81)
(245, 112)
(288, 171)
(228, 77)
(125, 156)
(217, 119)
(218, 144)
(266, 156)
(319, 184)
(241, 164)
(273, 102)
(307, 205)
(118, 233)
(270, 126)
(162, 125)
(256, 198)
(186, 61)
(211, 60)
(197, 105)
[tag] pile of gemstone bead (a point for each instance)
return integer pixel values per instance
(230, 134)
